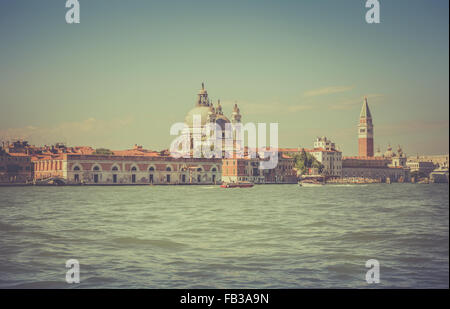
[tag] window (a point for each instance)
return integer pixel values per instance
(76, 168)
(199, 169)
(151, 169)
(134, 169)
(115, 168)
(96, 168)
(214, 169)
(168, 169)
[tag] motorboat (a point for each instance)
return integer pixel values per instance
(310, 183)
(237, 185)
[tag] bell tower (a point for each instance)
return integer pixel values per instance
(365, 131)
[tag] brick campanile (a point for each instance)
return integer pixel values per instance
(365, 131)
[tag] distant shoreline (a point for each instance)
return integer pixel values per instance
(195, 184)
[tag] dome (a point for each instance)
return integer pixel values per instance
(221, 120)
(389, 153)
(201, 111)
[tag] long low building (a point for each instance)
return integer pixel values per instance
(122, 170)
(152, 168)
(376, 168)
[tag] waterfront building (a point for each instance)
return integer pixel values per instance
(438, 160)
(242, 169)
(326, 153)
(284, 172)
(331, 161)
(248, 169)
(128, 169)
(421, 167)
(365, 131)
(49, 166)
(376, 168)
(15, 168)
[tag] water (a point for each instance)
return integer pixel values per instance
(270, 236)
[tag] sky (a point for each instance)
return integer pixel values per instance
(131, 69)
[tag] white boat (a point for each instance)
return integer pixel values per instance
(310, 184)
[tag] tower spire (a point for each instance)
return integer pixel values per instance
(365, 111)
(365, 131)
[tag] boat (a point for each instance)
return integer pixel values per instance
(310, 183)
(237, 185)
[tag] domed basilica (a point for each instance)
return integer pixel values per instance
(205, 113)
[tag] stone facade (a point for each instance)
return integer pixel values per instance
(15, 168)
(438, 160)
(123, 170)
(242, 169)
(126, 170)
(50, 167)
(247, 169)
(331, 160)
(373, 168)
(422, 167)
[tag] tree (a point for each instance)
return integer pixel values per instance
(305, 161)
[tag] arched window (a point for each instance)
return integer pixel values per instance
(115, 168)
(151, 169)
(214, 169)
(168, 169)
(76, 168)
(96, 168)
(134, 169)
(199, 169)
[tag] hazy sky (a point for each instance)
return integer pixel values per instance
(131, 69)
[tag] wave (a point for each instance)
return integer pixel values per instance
(160, 243)
(9, 227)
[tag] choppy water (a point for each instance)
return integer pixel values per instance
(271, 236)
